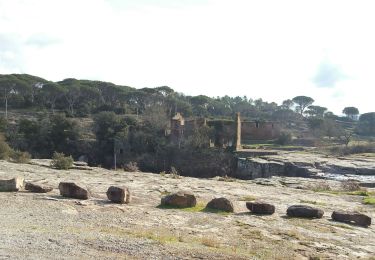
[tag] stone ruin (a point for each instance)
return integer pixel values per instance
(226, 132)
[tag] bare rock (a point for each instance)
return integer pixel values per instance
(72, 190)
(181, 199)
(221, 204)
(14, 184)
(302, 211)
(37, 188)
(118, 194)
(261, 208)
(352, 217)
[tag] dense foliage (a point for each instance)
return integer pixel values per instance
(133, 122)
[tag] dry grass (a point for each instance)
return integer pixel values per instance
(248, 198)
(314, 202)
(210, 241)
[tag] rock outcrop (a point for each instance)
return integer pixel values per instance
(222, 204)
(37, 188)
(72, 190)
(305, 165)
(181, 199)
(302, 211)
(352, 218)
(119, 195)
(260, 208)
(14, 184)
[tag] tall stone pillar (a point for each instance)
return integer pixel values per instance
(238, 132)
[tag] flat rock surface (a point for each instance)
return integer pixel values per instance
(48, 226)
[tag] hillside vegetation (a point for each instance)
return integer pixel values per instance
(94, 119)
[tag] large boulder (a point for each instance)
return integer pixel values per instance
(221, 204)
(260, 208)
(72, 190)
(352, 217)
(37, 188)
(181, 199)
(14, 184)
(118, 194)
(302, 211)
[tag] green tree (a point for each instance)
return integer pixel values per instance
(302, 103)
(316, 111)
(51, 92)
(10, 85)
(287, 104)
(351, 112)
(366, 124)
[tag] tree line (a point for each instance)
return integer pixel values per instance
(139, 118)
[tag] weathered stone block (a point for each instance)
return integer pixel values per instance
(72, 190)
(352, 217)
(221, 204)
(118, 194)
(181, 199)
(302, 211)
(14, 184)
(37, 188)
(261, 208)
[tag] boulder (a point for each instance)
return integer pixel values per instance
(221, 204)
(14, 184)
(352, 217)
(302, 211)
(37, 188)
(118, 194)
(181, 199)
(72, 190)
(261, 208)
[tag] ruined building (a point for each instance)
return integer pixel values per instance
(225, 132)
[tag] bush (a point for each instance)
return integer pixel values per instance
(20, 157)
(131, 167)
(284, 139)
(5, 150)
(62, 162)
(319, 186)
(174, 173)
(353, 149)
(349, 185)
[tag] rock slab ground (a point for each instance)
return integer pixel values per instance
(49, 226)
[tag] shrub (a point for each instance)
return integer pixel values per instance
(319, 186)
(284, 139)
(174, 173)
(5, 150)
(62, 162)
(20, 157)
(131, 167)
(349, 185)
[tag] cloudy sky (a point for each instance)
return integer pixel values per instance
(268, 49)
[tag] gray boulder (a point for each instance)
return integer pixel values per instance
(352, 217)
(37, 188)
(72, 190)
(302, 211)
(181, 199)
(118, 194)
(221, 204)
(14, 184)
(260, 208)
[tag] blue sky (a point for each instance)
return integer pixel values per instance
(267, 49)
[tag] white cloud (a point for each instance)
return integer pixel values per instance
(270, 49)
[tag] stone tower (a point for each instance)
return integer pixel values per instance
(238, 132)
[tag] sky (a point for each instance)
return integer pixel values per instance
(267, 49)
